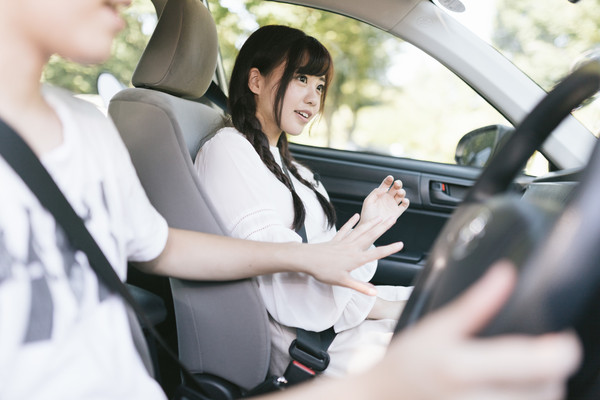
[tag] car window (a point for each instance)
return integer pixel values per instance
(545, 39)
(388, 97)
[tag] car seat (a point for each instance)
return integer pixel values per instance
(222, 328)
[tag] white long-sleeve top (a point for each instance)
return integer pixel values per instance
(63, 335)
(253, 204)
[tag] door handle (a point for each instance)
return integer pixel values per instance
(446, 194)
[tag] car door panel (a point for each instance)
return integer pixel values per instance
(434, 191)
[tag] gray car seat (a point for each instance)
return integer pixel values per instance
(222, 328)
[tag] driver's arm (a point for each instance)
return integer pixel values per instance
(200, 256)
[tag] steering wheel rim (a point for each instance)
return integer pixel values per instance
(545, 286)
(533, 131)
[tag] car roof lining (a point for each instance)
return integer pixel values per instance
(383, 14)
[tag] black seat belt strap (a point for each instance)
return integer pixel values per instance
(216, 95)
(309, 348)
(28, 166)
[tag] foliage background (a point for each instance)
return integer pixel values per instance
(127, 49)
(544, 38)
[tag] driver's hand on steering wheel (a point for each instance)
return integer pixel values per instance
(440, 357)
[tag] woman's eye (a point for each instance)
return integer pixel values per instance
(302, 78)
(320, 88)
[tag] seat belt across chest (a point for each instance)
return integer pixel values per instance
(309, 349)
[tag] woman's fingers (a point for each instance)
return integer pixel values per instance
(385, 201)
(396, 186)
(402, 202)
(377, 193)
(385, 186)
(346, 228)
(387, 182)
(399, 194)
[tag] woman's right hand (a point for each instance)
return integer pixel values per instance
(388, 201)
(440, 357)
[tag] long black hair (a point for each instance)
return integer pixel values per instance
(267, 48)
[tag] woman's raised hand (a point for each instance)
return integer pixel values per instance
(388, 201)
(352, 245)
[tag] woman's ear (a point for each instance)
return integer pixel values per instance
(255, 80)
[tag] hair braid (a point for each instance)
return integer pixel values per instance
(267, 48)
(251, 129)
(287, 159)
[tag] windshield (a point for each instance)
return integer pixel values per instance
(545, 39)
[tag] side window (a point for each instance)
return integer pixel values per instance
(387, 97)
(413, 108)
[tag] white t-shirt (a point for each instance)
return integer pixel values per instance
(62, 335)
(253, 204)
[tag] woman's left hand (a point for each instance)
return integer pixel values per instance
(385, 202)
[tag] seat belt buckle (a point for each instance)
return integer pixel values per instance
(314, 361)
(296, 372)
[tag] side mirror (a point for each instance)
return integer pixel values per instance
(477, 147)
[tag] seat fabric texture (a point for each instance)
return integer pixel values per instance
(222, 328)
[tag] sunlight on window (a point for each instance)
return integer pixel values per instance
(545, 47)
(387, 97)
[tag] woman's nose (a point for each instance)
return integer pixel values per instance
(312, 97)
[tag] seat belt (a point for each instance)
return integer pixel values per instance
(216, 95)
(27, 165)
(309, 349)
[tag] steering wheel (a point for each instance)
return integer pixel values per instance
(554, 244)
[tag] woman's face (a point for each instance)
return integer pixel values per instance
(301, 102)
(79, 30)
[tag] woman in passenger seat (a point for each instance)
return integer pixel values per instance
(278, 86)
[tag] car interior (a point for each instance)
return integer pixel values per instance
(220, 329)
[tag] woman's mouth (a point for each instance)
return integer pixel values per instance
(303, 114)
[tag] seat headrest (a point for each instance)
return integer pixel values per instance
(181, 56)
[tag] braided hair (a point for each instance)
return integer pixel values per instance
(266, 49)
